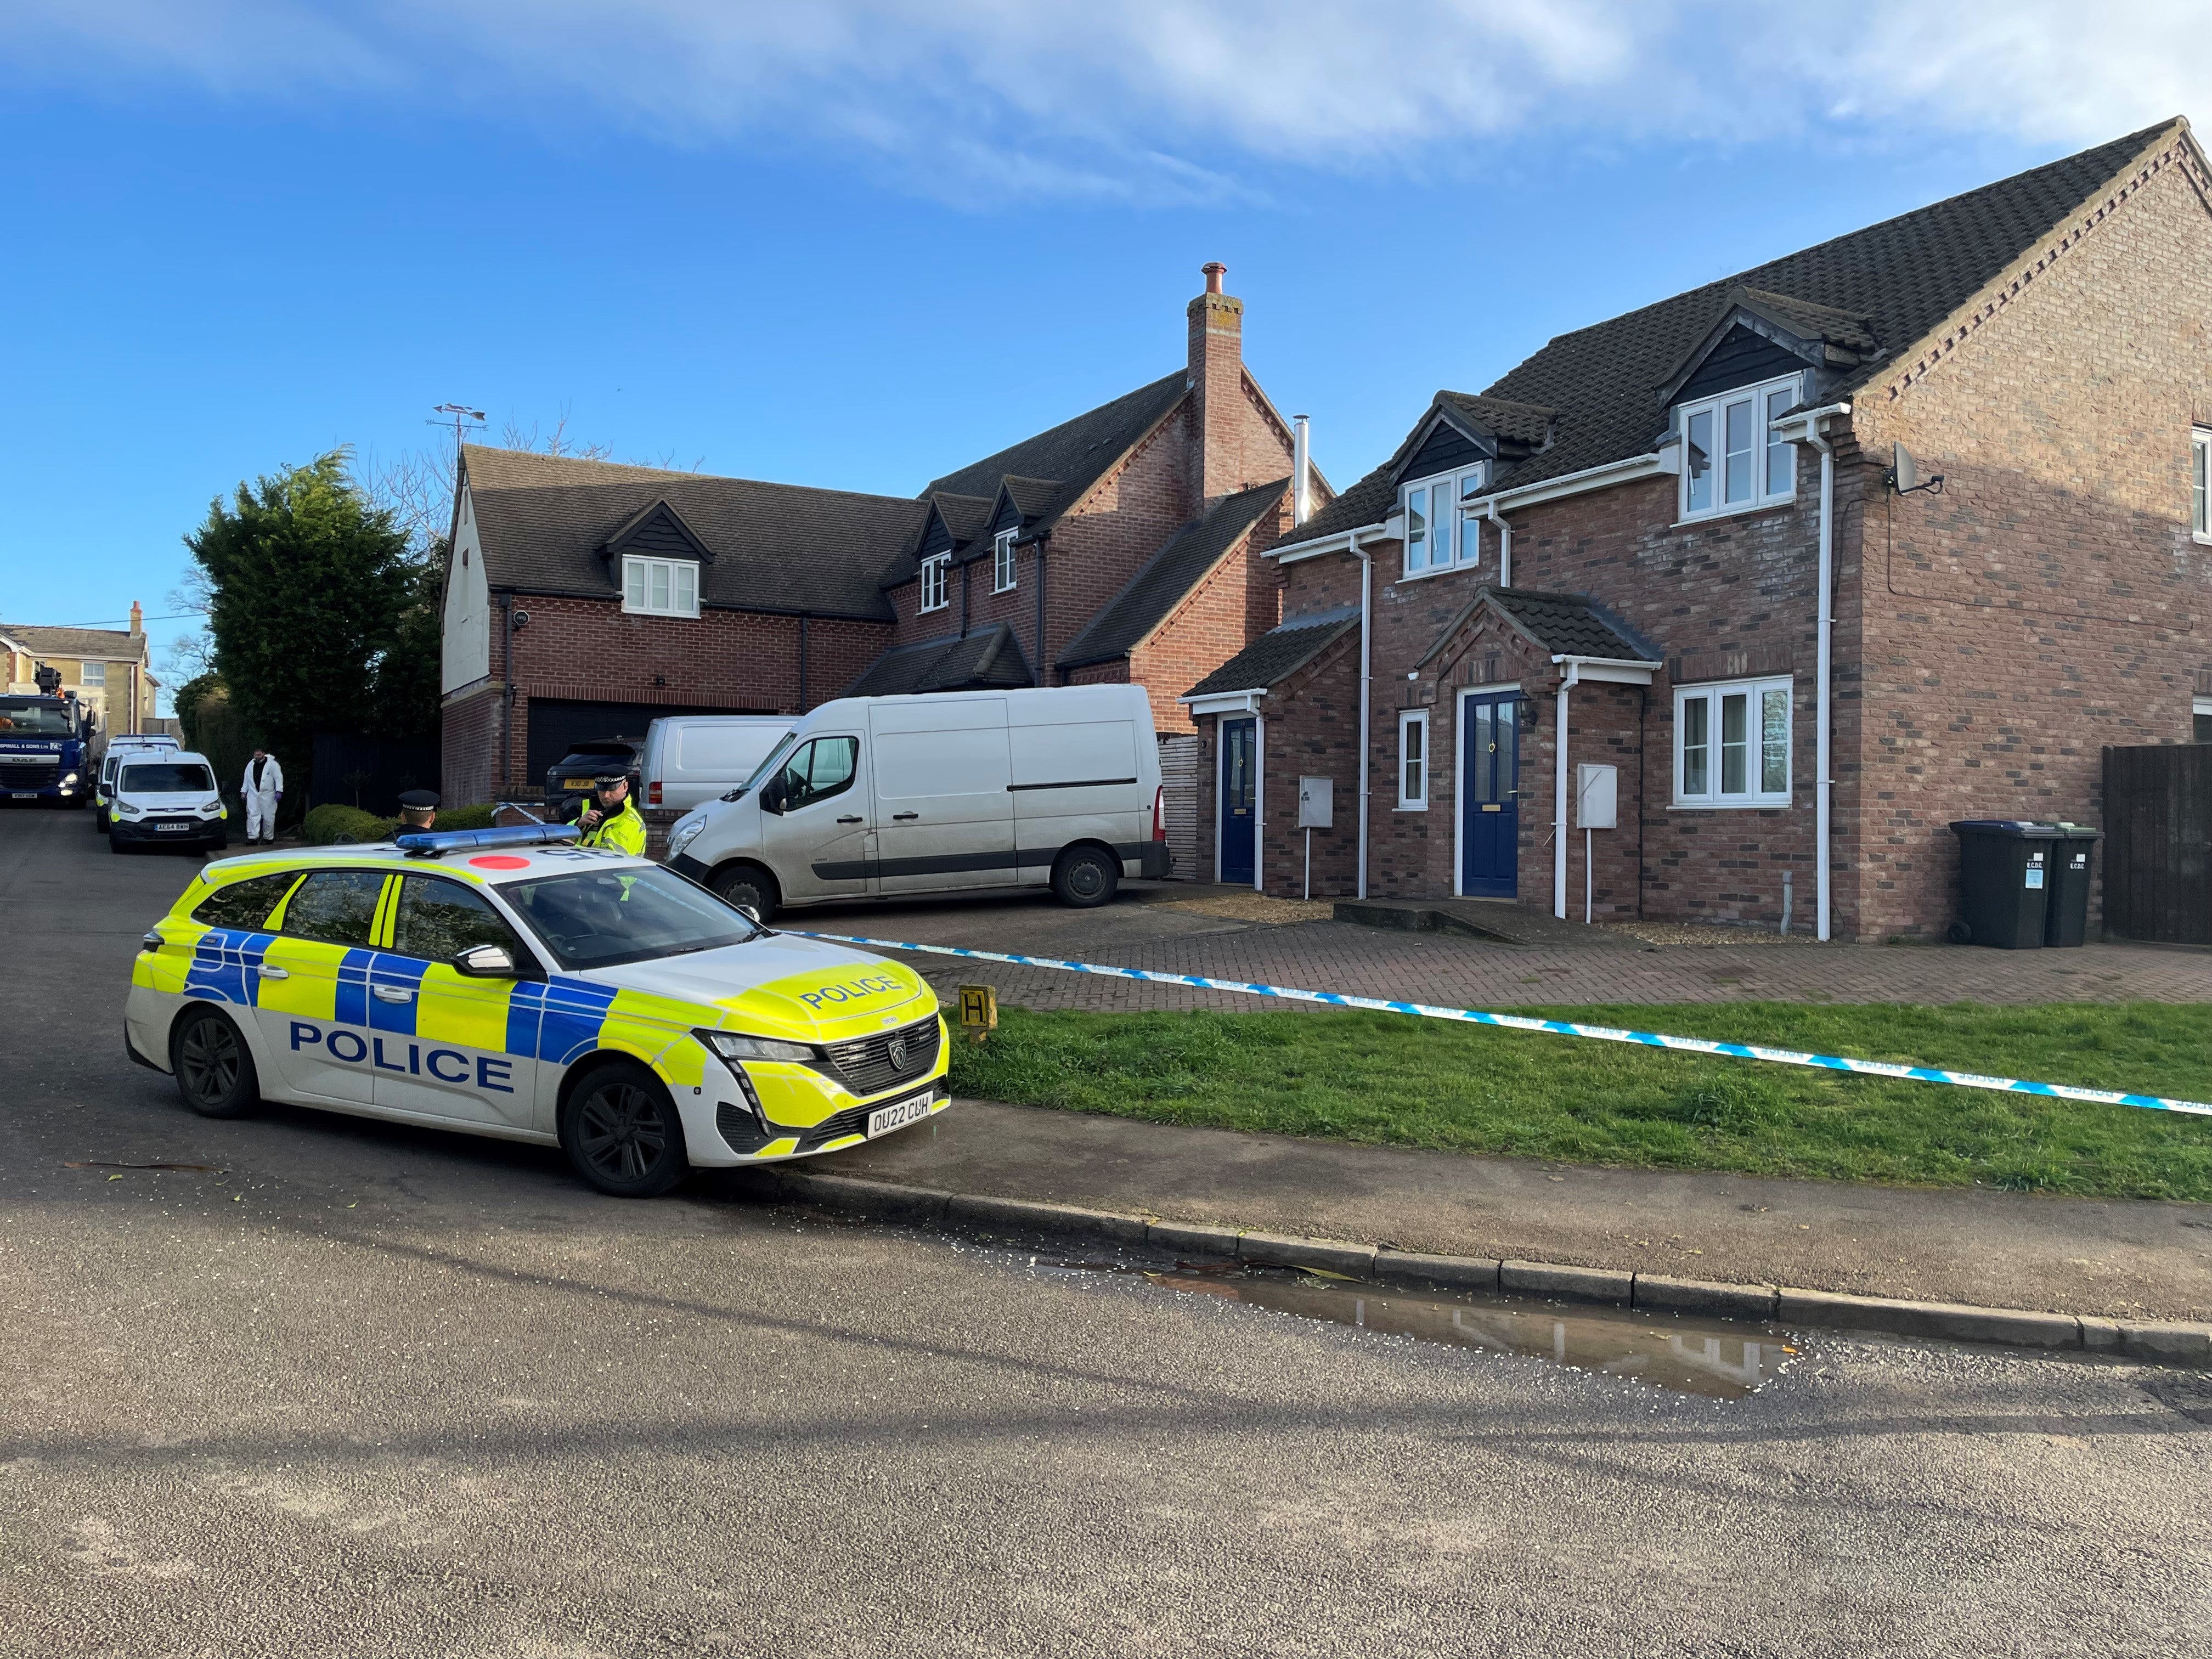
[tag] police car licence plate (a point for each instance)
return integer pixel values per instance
(171, 829)
(899, 1113)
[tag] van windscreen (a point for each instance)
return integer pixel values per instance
(168, 778)
(767, 767)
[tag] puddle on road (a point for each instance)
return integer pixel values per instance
(1720, 1361)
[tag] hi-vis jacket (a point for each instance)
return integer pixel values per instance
(369, 1028)
(624, 831)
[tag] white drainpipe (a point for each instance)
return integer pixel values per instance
(1366, 736)
(1301, 455)
(1823, 674)
(1505, 543)
(1567, 683)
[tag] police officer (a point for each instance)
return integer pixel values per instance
(611, 818)
(418, 809)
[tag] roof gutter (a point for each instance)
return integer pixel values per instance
(1805, 427)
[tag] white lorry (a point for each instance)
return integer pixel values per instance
(887, 797)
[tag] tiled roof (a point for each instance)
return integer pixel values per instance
(1902, 277)
(1527, 423)
(966, 517)
(1034, 498)
(1564, 624)
(1171, 575)
(99, 644)
(1076, 452)
(542, 520)
(1280, 653)
(990, 658)
(1879, 290)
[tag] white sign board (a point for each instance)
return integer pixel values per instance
(1317, 807)
(1597, 790)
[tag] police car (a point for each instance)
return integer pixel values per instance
(509, 982)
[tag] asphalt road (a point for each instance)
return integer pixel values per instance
(370, 1390)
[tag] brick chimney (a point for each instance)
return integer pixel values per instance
(1217, 379)
(138, 619)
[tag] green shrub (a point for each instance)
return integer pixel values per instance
(466, 817)
(331, 823)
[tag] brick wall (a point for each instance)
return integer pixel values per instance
(1241, 600)
(593, 651)
(2051, 601)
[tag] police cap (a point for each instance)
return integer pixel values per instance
(420, 800)
(609, 775)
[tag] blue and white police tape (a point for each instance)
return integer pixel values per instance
(1558, 1028)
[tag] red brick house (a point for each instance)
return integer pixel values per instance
(583, 598)
(1690, 539)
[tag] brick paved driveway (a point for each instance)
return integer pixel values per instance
(1435, 968)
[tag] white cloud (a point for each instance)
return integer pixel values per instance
(1166, 99)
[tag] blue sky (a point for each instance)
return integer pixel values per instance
(860, 242)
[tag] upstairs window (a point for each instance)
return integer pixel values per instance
(1443, 529)
(2200, 482)
(1732, 745)
(1002, 561)
(1731, 458)
(660, 587)
(96, 673)
(932, 581)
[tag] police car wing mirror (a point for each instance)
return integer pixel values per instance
(485, 961)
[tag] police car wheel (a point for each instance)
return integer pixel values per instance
(747, 885)
(214, 1069)
(1085, 877)
(621, 1131)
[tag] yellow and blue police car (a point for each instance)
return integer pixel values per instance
(509, 982)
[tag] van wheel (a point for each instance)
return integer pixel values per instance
(1085, 878)
(622, 1133)
(116, 843)
(213, 1068)
(747, 884)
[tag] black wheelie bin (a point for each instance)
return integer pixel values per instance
(2004, 882)
(2066, 915)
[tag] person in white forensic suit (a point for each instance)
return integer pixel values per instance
(263, 787)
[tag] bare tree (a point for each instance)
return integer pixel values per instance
(515, 435)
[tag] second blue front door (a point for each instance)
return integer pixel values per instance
(1489, 795)
(1239, 798)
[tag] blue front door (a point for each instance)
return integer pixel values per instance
(1239, 798)
(1489, 795)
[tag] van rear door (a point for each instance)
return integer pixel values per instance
(943, 816)
(1075, 778)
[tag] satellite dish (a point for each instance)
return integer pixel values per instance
(1903, 475)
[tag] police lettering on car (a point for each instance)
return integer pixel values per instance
(527, 984)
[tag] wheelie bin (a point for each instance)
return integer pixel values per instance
(2066, 913)
(2004, 882)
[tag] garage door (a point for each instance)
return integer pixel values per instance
(556, 727)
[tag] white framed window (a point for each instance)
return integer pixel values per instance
(1443, 529)
(1732, 744)
(2200, 483)
(1002, 561)
(96, 673)
(1412, 760)
(660, 587)
(1731, 458)
(932, 581)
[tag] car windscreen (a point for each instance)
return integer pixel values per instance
(27, 718)
(168, 778)
(767, 767)
(598, 918)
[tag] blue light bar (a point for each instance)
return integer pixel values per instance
(429, 843)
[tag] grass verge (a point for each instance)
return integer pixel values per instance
(1394, 1080)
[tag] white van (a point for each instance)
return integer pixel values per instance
(691, 758)
(165, 798)
(883, 797)
(104, 790)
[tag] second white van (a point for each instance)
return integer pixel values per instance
(887, 797)
(692, 758)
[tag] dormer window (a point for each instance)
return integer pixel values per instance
(1731, 458)
(1002, 561)
(660, 587)
(933, 581)
(1444, 531)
